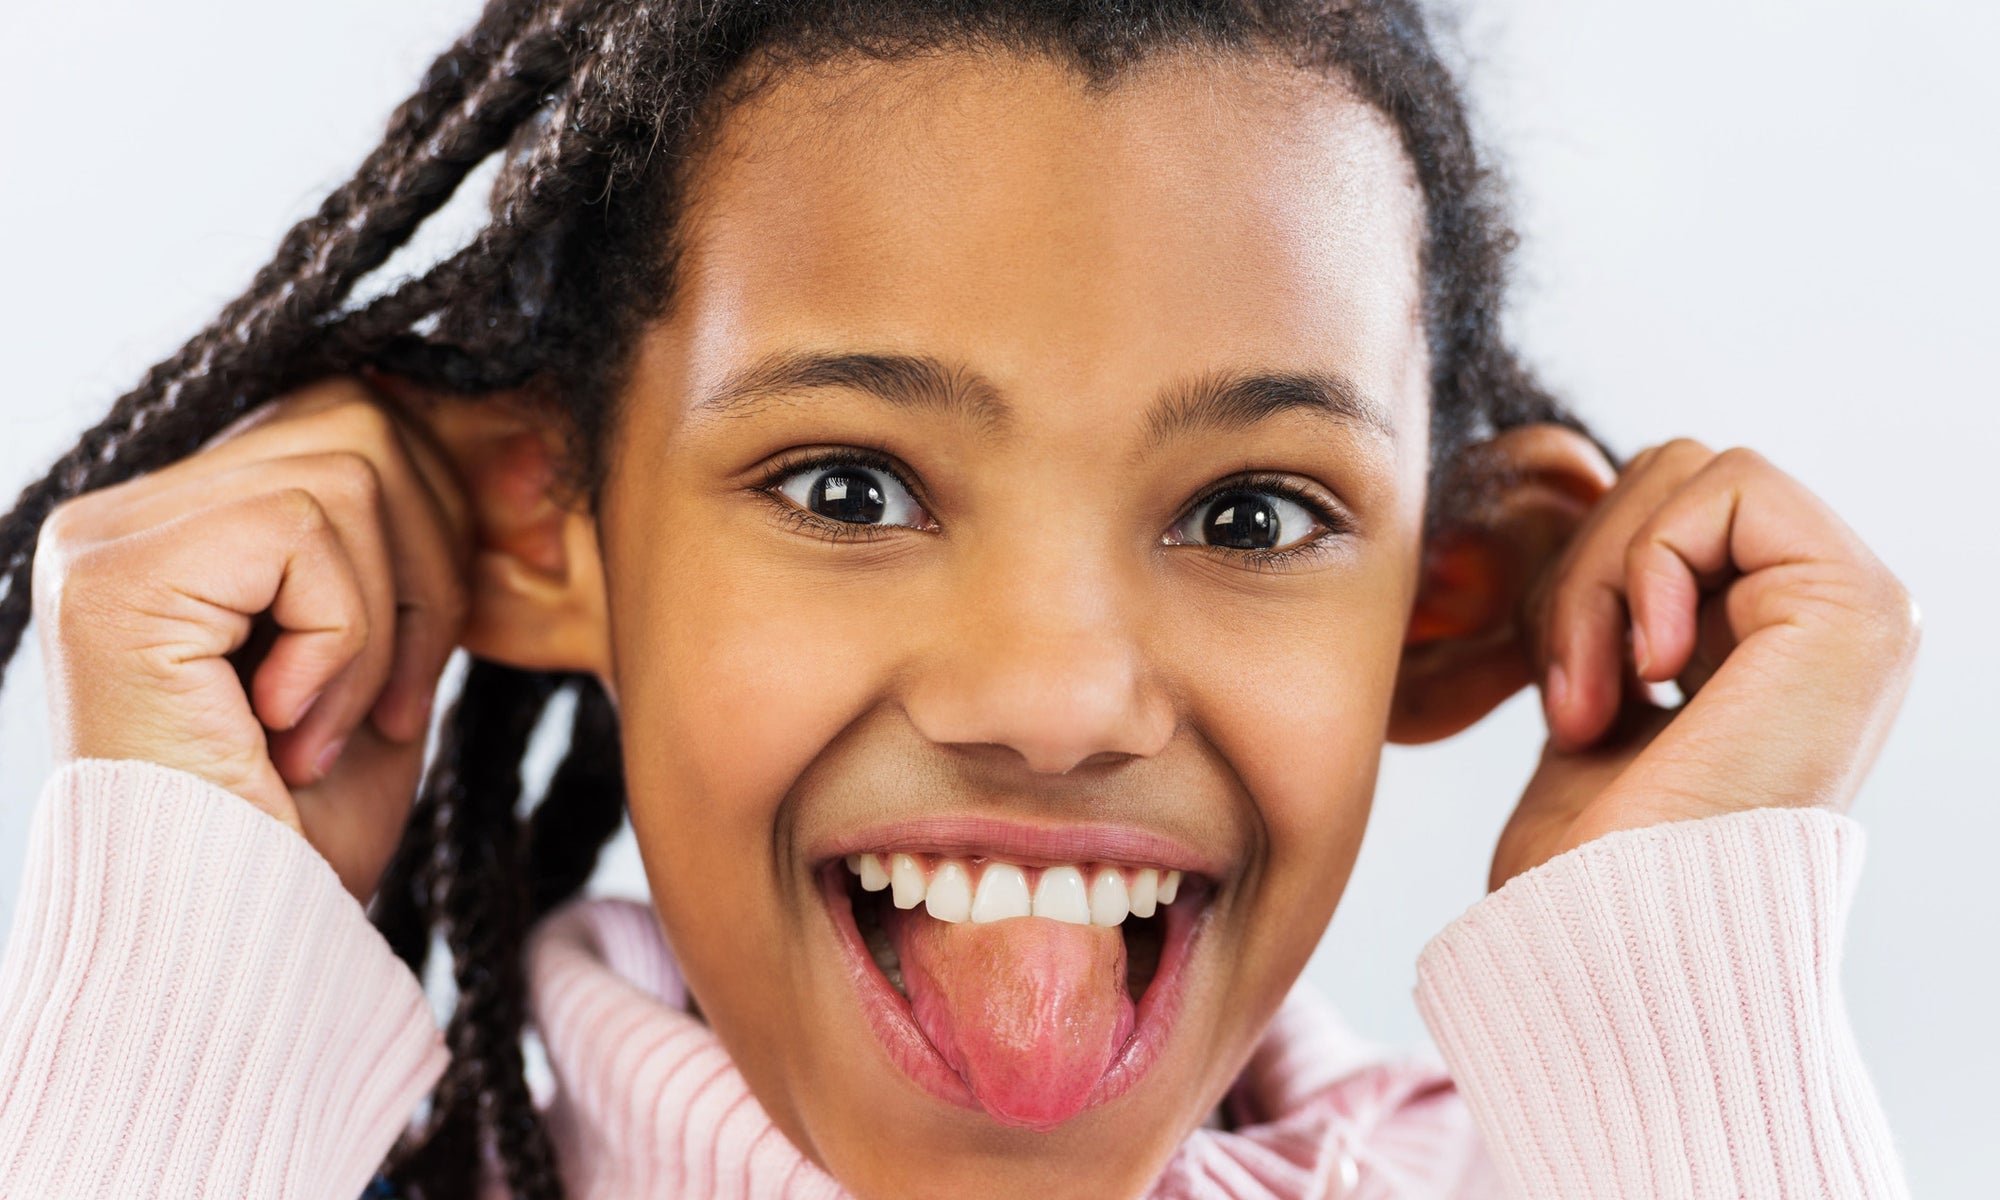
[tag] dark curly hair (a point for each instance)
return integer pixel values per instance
(594, 107)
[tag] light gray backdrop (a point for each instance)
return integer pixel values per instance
(1762, 223)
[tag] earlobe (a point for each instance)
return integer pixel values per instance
(536, 581)
(529, 612)
(1465, 652)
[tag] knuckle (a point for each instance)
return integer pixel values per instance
(1686, 449)
(1644, 456)
(350, 478)
(64, 526)
(1902, 623)
(1642, 551)
(363, 421)
(300, 508)
(70, 596)
(355, 630)
(357, 636)
(78, 521)
(1881, 615)
(1742, 458)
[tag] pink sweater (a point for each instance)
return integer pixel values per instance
(190, 1005)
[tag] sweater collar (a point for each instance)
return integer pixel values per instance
(648, 1103)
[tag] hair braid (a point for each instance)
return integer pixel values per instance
(465, 889)
(402, 908)
(473, 58)
(433, 141)
(470, 796)
(530, 199)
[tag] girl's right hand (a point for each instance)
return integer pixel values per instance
(323, 523)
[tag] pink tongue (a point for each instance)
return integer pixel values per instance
(1030, 1012)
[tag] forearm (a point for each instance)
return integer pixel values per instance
(1659, 1013)
(191, 1005)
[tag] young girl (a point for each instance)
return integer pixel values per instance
(992, 477)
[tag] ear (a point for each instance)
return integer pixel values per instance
(536, 578)
(1527, 490)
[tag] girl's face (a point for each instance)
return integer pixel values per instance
(1023, 478)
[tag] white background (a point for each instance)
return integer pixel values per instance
(1769, 224)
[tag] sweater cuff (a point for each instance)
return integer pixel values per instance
(192, 1005)
(1658, 1013)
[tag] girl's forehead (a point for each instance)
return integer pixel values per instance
(1201, 214)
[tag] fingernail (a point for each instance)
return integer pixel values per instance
(306, 708)
(326, 756)
(1640, 654)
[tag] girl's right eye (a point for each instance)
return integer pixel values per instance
(849, 491)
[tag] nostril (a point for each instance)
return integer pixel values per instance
(1047, 760)
(1103, 758)
(1051, 703)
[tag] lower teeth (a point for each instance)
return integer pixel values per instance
(882, 951)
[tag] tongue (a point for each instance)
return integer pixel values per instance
(1030, 1012)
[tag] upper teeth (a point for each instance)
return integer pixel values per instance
(1078, 894)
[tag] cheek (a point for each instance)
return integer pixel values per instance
(1299, 712)
(732, 679)
(1308, 727)
(729, 688)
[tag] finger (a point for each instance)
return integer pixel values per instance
(1699, 538)
(433, 466)
(417, 592)
(1817, 640)
(1587, 615)
(426, 517)
(1680, 552)
(427, 521)
(1713, 643)
(431, 561)
(348, 491)
(278, 552)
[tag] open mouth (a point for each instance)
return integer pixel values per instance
(1031, 992)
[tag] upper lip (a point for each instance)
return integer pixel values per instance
(1026, 843)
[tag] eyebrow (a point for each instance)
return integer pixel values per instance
(1221, 401)
(1212, 402)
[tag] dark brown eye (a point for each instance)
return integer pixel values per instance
(1248, 518)
(851, 493)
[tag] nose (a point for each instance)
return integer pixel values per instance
(1046, 658)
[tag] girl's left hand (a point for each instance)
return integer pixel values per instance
(1790, 641)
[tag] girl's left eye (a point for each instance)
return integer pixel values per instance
(1266, 519)
(850, 493)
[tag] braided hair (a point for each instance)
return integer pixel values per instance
(594, 109)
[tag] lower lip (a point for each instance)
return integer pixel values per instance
(888, 1012)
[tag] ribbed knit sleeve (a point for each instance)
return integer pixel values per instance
(1658, 1013)
(191, 1005)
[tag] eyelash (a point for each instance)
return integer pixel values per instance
(1333, 524)
(802, 518)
